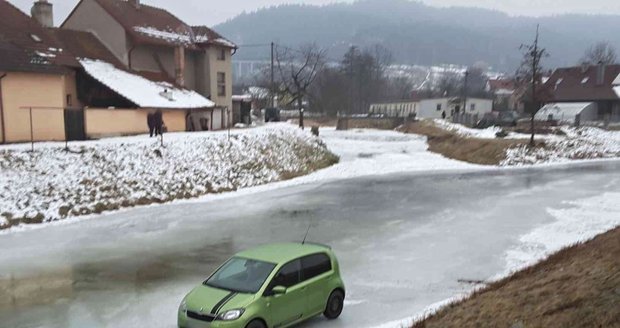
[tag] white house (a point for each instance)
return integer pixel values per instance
(434, 108)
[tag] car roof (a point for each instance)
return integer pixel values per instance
(282, 253)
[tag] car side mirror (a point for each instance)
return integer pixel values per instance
(278, 290)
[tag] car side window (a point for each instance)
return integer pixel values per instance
(315, 265)
(288, 276)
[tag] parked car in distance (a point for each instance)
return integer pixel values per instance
(277, 285)
(272, 115)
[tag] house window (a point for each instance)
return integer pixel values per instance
(438, 107)
(221, 55)
(472, 107)
(69, 101)
(221, 84)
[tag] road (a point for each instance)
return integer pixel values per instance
(404, 242)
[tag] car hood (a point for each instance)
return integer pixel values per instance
(208, 300)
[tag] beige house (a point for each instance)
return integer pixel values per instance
(59, 84)
(155, 43)
(35, 79)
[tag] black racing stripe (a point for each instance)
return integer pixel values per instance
(222, 302)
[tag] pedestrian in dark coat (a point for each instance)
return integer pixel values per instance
(159, 122)
(150, 120)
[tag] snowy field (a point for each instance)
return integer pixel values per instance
(97, 176)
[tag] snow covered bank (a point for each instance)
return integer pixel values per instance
(581, 221)
(566, 145)
(576, 144)
(52, 184)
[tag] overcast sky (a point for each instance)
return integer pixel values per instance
(211, 12)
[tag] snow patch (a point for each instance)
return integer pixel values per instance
(581, 221)
(168, 36)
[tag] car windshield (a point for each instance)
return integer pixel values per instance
(241, 275)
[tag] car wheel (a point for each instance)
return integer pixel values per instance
(335, 304)
(256, 324)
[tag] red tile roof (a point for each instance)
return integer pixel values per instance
(151, 25)
(580, 84)
(82, 44)
(130, 17)
(25, 46)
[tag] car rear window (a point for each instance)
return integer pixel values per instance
(315, 265)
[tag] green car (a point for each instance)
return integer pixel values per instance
(271, 286)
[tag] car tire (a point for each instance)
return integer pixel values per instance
(335, 304)
(256, 324)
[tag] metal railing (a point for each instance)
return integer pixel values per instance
(32, 128)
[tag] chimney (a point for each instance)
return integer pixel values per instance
(179, 65)
(600, 73)
(135, 3)
(43, 12)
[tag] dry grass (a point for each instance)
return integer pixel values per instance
(576, 287)
(452, 145)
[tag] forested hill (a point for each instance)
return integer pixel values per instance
(420, 34)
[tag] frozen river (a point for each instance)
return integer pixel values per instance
(405, 241)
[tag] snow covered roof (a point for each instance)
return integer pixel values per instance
(617, 90)
(245, 97)
(141, 91)
(205, 35)
(169, 36)
(562, 111)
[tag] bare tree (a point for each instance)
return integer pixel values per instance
(530, 74)
(297, 71)
(601, 52)
(448, 85)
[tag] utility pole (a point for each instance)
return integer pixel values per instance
(273, 92)
(465, 92)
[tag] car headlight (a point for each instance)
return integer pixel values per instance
(231, 315)
(183, 306)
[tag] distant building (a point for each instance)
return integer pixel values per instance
(435, 108)
(568, 113)
(504, 94)
(598, 84)
(394, 109)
